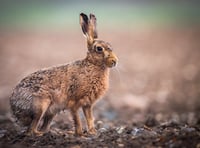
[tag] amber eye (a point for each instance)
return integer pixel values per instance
(99, 49)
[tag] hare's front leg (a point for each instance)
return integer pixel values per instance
(87, 110)
(77, 123)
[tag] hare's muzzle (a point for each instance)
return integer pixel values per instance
(113, 63)
(111, 60)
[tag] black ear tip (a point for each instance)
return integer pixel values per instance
(84, 16)
(92, 15)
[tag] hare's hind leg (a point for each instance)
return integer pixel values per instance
(48, 117)
(40, 106)
(87, 110)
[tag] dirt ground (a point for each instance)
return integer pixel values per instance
(150, 133)
(154, 96)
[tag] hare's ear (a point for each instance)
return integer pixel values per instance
(88, 26)
(93, 25)
(84, 22)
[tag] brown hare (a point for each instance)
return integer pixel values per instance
(44, 93)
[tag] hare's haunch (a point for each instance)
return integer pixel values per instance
(41, 95)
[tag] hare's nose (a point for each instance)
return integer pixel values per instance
(113, 62)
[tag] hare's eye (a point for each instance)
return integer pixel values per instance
(99, 49)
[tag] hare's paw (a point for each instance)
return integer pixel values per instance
(79, 133)
(34, 133)
(92, 131)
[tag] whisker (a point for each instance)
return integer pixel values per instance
(118, 74)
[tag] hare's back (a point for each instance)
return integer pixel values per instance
(38, 84)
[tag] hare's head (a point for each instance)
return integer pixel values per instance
(99, 52)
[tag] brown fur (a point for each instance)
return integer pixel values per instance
(43, 94)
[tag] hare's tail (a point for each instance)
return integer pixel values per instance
(21, 106)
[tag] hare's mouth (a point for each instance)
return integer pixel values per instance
(111, 62)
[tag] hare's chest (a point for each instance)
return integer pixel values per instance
(97, 87)
(94, 90)
(91, 87)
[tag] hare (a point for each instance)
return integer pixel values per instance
(41, 95)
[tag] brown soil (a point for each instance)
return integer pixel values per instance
(150, 133)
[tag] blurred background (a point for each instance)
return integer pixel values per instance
(158, 45)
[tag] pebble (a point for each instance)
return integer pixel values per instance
(120, 129)
(188, 129)
(119, 141)
(102, 130)
(99, 124)
(137, 132)
(2, 133)
(120, 145)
